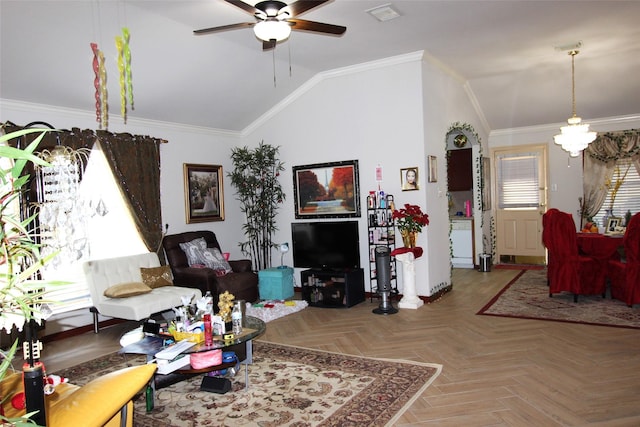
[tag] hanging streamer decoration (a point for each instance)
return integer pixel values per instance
(124, 68)
(123, 87)
(127, 64)
(100, 85)
(96, 81)
(103, 91)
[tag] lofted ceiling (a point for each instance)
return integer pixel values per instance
(503, 50)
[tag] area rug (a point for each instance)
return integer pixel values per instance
(289, 386)
(527, 297)
(271, 310)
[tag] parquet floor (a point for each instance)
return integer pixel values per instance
(496, 371)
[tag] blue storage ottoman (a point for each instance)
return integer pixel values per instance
(275, 283)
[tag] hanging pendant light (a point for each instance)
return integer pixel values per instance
(576, 136)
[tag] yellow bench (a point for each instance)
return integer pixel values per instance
(97, 403)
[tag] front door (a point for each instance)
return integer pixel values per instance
(521, 189)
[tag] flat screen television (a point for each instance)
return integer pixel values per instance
(326, 245)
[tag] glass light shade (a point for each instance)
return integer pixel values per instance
(272, 30)
(574, 137)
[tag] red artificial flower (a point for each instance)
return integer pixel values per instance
(410, 218)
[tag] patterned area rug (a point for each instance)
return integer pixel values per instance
(527, 297)
(289, 386)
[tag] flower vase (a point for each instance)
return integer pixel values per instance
(608, 213)
(408, 238)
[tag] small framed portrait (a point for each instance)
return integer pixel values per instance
(204, 201)
(409, 179)
(433, 169)
(613, 225)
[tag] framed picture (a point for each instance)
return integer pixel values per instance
(204, 200)
(433, 169)
(409, 178)
(327, 190)
(613, 225)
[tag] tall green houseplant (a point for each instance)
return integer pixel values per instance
(255, 178)
(20, 260)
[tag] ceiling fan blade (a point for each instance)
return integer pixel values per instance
(244, 6)
(266, 45)
(224, 28)
(318, 27)
(301, 6)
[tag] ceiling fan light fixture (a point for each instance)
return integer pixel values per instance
(576, 136)
(272, 29)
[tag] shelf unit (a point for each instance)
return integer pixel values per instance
(333, 288)
(381, 233)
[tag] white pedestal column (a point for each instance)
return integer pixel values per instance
(409, 295)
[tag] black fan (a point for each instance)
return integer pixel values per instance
(282, 16)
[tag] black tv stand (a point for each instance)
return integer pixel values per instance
(338, 288)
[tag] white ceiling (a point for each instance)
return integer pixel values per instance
(503, 50)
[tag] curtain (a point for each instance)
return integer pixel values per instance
(135, 163)
(599, 162)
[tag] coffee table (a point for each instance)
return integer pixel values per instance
(242, 345)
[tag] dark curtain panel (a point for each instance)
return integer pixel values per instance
(135, 162)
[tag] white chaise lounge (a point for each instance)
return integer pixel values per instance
(105, 273)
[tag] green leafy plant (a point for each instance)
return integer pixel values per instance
(20, 294)
(255, 178)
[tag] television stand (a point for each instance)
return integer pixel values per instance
(333, 288)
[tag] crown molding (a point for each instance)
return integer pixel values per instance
(115, 126)
(616, 122)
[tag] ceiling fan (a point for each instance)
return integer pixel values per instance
(275, 20)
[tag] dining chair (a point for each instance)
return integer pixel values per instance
(567, 269)
(624, 275)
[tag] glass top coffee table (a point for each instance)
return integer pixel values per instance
(241, 344)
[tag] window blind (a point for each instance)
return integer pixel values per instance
(518, 181)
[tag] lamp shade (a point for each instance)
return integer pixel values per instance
(272, 29)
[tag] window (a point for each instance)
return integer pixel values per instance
(518, 181)
(628, 196)
(110, 230)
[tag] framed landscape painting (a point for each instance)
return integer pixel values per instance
(204, 200)
(327, 190)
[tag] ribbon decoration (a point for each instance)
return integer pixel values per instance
(103, 91)
(100, 85)
(123, 88)
(96, 82)
(127, 64)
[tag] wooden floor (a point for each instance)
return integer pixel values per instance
(496, 371)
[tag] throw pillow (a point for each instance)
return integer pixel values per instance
(193, 250)
(123, 290)
(214, 259)
(156, 277)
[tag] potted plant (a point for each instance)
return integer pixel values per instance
(410, 221)
(255, 177)
(20, 260)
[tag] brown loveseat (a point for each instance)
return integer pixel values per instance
(242, 282)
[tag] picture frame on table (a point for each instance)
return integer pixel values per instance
(409, 178)
(327, 190)
(613, 225)
(203, 193)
